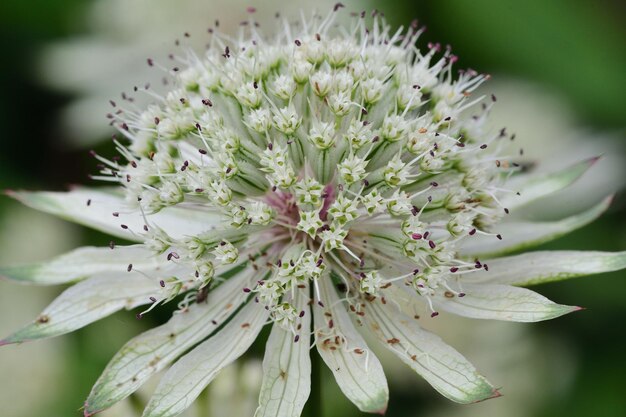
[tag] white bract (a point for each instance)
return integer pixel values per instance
(328, 180)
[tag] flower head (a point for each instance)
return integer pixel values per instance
(329, 180)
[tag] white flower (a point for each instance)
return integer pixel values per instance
(260, 203)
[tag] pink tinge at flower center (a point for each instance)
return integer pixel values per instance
(287, 209)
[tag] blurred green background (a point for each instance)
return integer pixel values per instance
(572, 51)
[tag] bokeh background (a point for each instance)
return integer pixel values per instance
(559, 71)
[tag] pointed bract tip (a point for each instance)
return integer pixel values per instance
(594, 159)
(7, 341)
(494, 394)
(87, 412)
(609, 199)
(579, 308)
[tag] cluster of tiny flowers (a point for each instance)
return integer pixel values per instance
(324, 151)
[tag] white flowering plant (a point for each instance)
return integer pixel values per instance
(330, 181)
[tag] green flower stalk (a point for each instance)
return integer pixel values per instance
(330, 181)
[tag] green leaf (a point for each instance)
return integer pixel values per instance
(535, 187)
(547, 266)
(85, 262)
(356, 368)
(521, 235)
(439, 364)
(86, 302)
(186, 379)
(287, 366)
(500, 302)
(152, 351)
(177, 222)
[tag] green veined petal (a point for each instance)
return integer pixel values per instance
(84, 262)
(152, 351)
(186, 379)
(536, 187)
(439, 364)
(546, 266)
(500, 302)
(287, 366)
(86, 302)
(98, 214)
(356, 369)
(520, 235)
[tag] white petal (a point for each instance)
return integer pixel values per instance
(357, 370)
(546, 266)
(287, 366)
(439, 364)
(84, 262)
(175, 221)
(153, 350)
(86, 302)
(500, 302)
(536, 187)
(186, 379)
(520, 235)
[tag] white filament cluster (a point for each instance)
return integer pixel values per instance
(344, 150)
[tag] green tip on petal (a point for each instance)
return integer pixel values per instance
(89, 413)
(494, 394)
